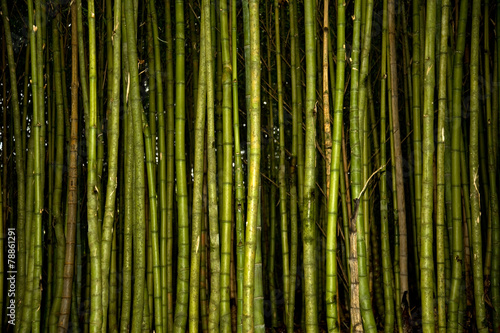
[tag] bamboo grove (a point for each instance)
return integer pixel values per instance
(243, 166)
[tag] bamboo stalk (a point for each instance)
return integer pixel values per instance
(253, 167)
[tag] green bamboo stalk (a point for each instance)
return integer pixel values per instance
(180, 167)
(447, 169)
(82, 66)
(440, 178)
(216, 48)
(258, 300)
(139, 186)
(483, 162)
(253, 167)
(113, 288)
(204, 109)
(496, 118)
(113, 140)
(397, 269)
(270, 264)
(227, 174)
(26, 314)
(376, 263)
(126, 300)
(20, 160)
(309, 226)
(363, 255)
(246, 48)
(204, 301)
(238, 173)
(31, 320)
(384, 223)
(457, 238)
(167, 221)
(294, 30)
(57, 221)
(294, 240)
(416, 114)
(294, 172)
(331, 242)
(195, 44)
(165, 198)
(100, 135)
(96, 314)
(366, 24)
(282, 171)
(39, 172)
(149, 271)
(146, 312)
(346, 206)
(427, 200)
(475, 225)
(68, 300)
(495, 219)
(153, 225)
(408, 92)
(403, 251)
(151, 71)
(148, 319)
(51, 239)
(79, 242)
(356, 224)
(25, 111)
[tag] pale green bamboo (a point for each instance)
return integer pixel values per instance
(128, 221)
(356, 232)
(204, 110)
(363, 244)
(153, 225)
(238, 174)
(227, 173)
(331, 244)
(96, 314)
(38, 124)
(113, 127)
(180, 167)
(309, 226)
(426, 235)
(253, 167)
(163, 197)
(139, 236)
(364, 139)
